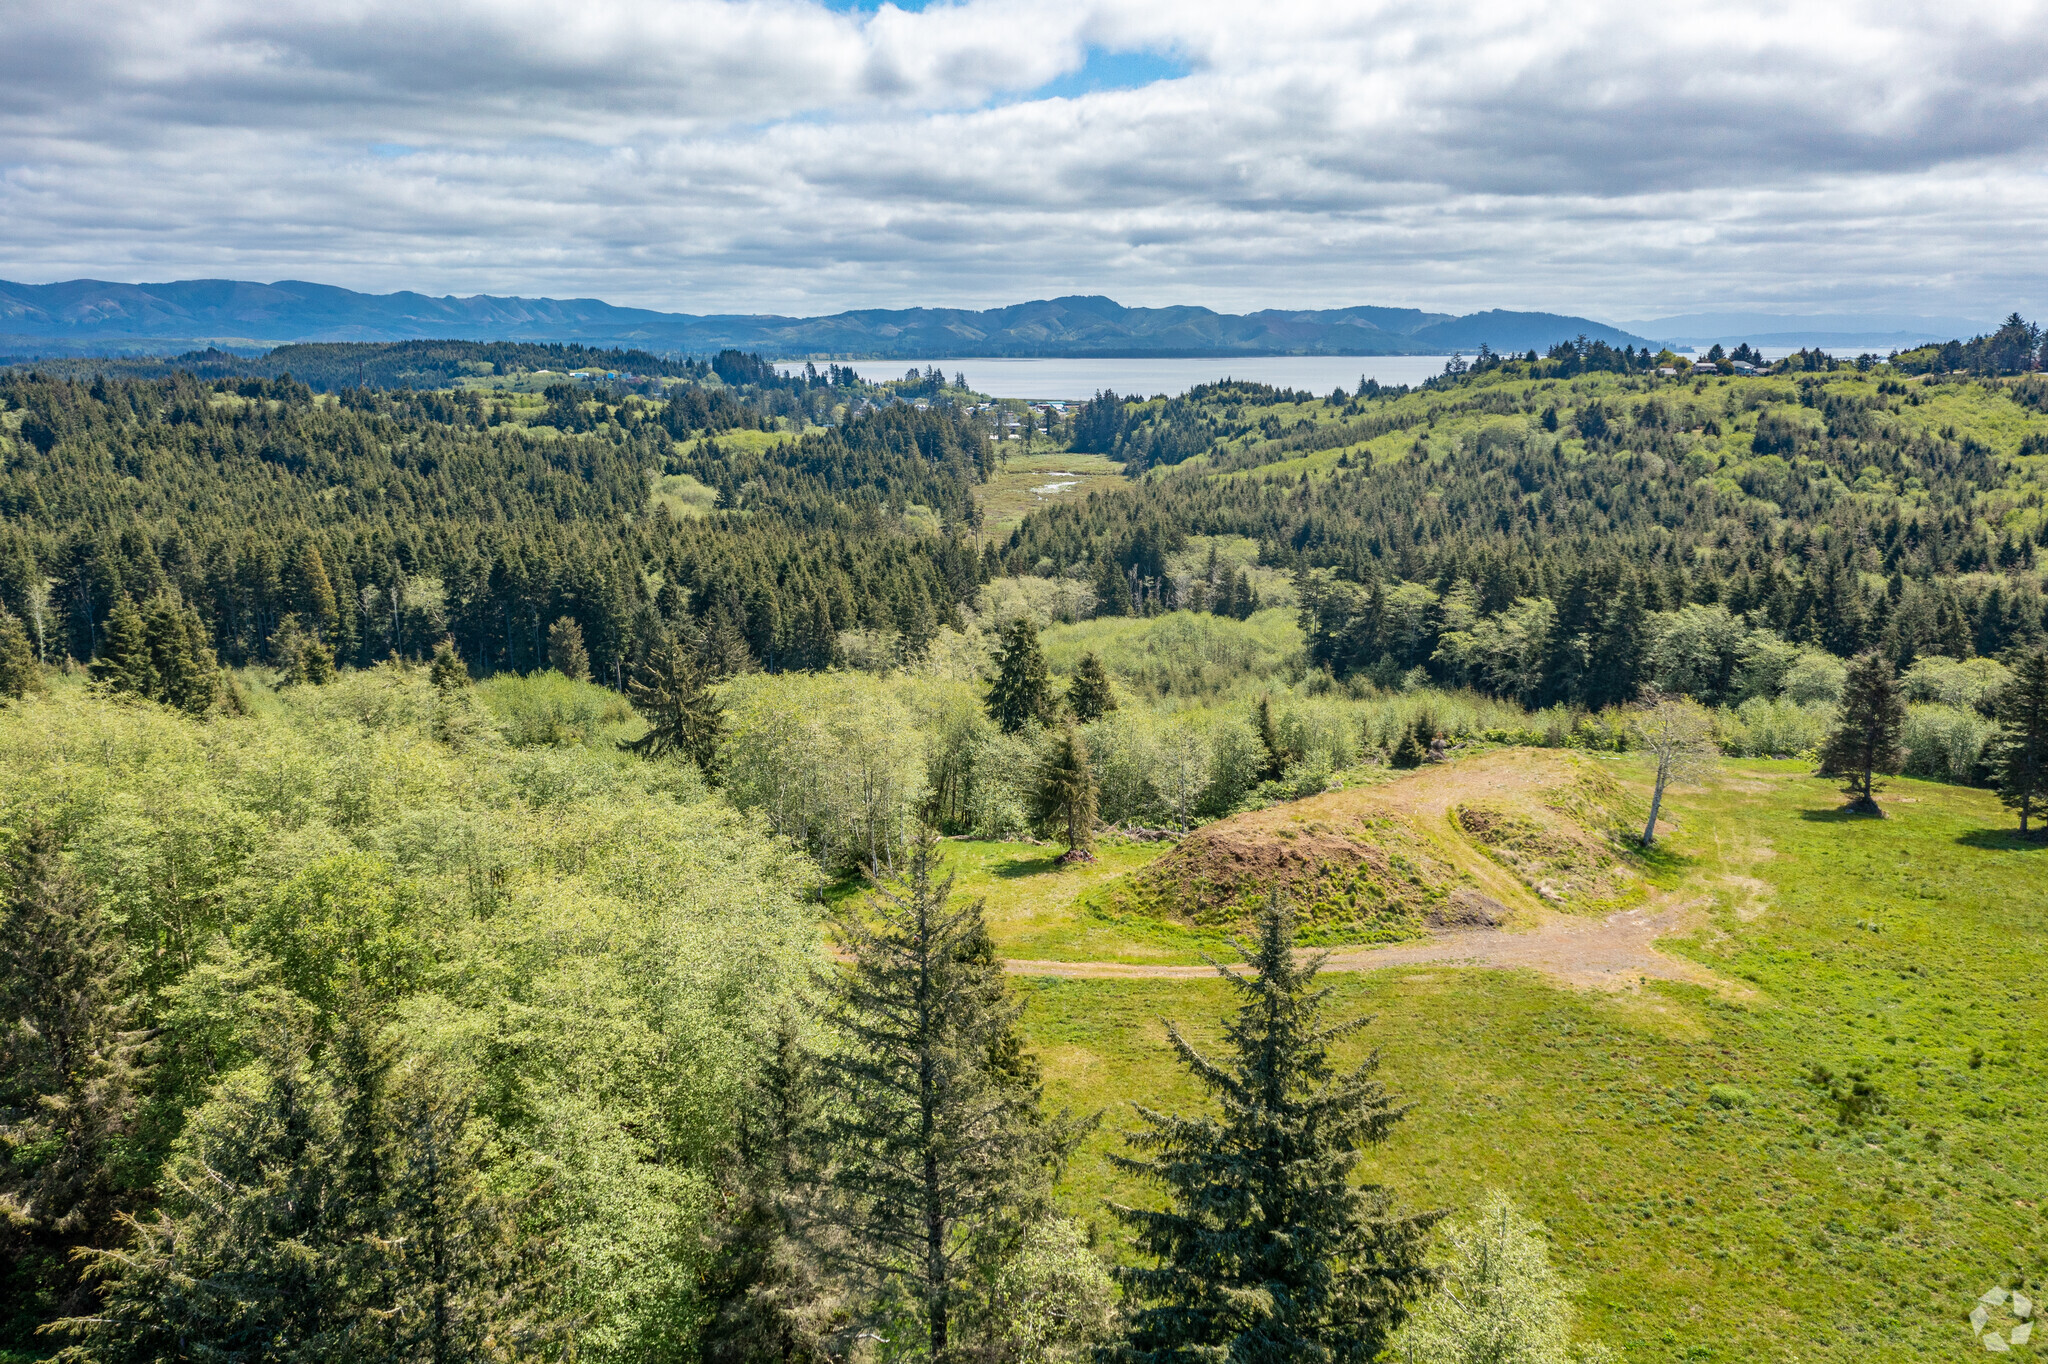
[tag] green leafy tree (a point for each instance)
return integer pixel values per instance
(1867, 738)
(1089, 695)
(934, 1119)
(1500, 1300)
(1410, 751)
(1267, 1249)
(682, 715)
(2019, 755)
(1064, 797)
(1022, 692)
(1679, 734)
(20, 674)
(68, 1078)
(565, 650)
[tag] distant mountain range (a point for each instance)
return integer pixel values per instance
(1830, 331)
(93, 316)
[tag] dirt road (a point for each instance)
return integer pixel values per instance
(1614, 953)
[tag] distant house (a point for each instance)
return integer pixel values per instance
(1668, 372)
(1742, 366)
(1705, 367)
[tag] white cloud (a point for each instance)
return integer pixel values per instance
(706, 156)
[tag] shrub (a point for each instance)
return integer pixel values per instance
(548, 708)
(1943, 743)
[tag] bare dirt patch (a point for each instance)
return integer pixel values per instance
(1616, 952)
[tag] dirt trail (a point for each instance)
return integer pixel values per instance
(1613, 953)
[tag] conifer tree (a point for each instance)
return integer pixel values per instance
(1277, 756)
(1066, 790)
(1409, 752)
(20, 674)
(766, 1291)
(933, 1134)
(1089, 696)
(447, 672)
(181, 661)
(682, 715)
(1267, 1250)
(565, 650)
(1022, 693)
(2019, 755)
(123, 664)
(68, 1074)
(316, 1212)
(1866, 741)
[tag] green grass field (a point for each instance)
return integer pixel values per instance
(1692, 1172)
(1023, 483)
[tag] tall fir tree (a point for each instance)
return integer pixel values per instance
(1267, 1250)
(2019, 753)
(1089, 695)
(1064, 797)
(69, 1072)
(317, 1211)
(20, 674)
(1617, 661)
(1021, 695)
(123, 663)
(1866, 742)
(934, 1137)
(566, 653)
(682, 715)
(767, 1294)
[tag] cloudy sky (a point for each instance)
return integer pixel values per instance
(1620, 160)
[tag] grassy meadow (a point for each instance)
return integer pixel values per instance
(1692, 1172)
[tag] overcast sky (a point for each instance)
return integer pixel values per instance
(1620, 160)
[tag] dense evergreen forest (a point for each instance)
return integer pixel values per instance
(428, 965)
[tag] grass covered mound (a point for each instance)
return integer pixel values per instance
(1457, 845)
(1571, 848)
(1365, 878)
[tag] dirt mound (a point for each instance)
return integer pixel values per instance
(1451, 847)
(1567, 848)
(1467, 908)
(1354, 880)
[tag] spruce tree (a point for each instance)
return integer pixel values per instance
(565, 650)
(766, 1293)
(321, 1211)
(934, 1137)
(1267, 1250)
(447, 672)
(1866, 741)
(1065, 793)
(20, 674)
(2019, 753)
(1089, 696)
(1022, 693)
(682, 715)
(181, 660)
(68, 1075)
(123, 664)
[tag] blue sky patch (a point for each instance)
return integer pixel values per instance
(1105, 70)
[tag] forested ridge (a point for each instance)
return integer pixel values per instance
(426, 809)
(386, 520)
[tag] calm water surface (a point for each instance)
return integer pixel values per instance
(1055, 379)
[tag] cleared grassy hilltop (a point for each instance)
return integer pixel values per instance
(1675, 1135)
